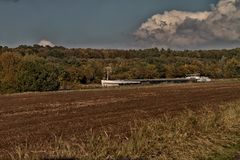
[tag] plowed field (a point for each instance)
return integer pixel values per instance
(35, 117)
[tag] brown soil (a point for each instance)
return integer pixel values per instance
(36, 117)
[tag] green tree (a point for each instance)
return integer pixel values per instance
(35, 75)
(232, 68)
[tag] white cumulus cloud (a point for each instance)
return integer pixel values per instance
(45, 43)
(181, 29)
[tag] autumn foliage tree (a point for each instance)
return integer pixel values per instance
(37, 68)
(8, 69)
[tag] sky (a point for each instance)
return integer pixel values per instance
(122, 24)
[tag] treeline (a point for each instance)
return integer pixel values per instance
(36, 68)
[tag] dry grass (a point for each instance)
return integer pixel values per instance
(206, 134)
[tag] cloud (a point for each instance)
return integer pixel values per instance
(179, 29)
(45, 43)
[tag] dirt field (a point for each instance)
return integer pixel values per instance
(36, 117)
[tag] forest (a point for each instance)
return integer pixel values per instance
(38, 68)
